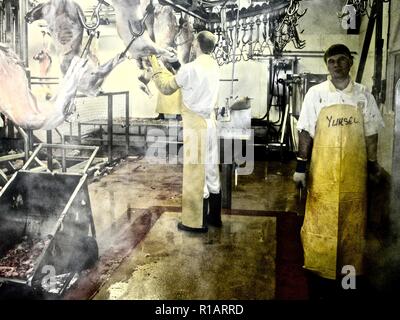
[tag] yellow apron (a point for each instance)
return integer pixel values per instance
(334, 224)
(194, 142)
(169, 104)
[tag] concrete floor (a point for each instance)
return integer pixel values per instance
(235, 262)
(257, 255)
(143, 256)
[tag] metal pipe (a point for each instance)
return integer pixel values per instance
(299, 53)
(44, 78)
(49, 151)
(62, 147)
(377, 86)
(171, 3)
(63, 155)
(60, 220)
(26, 142)
(3, 190)
(110, 128)
(70, 132)
(269, 56)
(23, 31)
(40, 163)
(40, 83)
(226, 181)
(367, 41)
(30, 139)
(33, 156)
(284, 125)
(234, 53)
(272, 9)
(90, 160)
(103, 94)
(11, 157)
(67, 146)
(127, 122)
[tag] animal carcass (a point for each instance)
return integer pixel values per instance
(183, 39)
(66, 29)
(165, 26)
(168, 33)
(129, 15)
(93, 78)
(18, 103)
(132, 12)
(64, 26)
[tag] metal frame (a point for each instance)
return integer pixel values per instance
(375, 20)
(183, 9)
(267, 8)
(79, 188)
(110, 107)
(63, 147)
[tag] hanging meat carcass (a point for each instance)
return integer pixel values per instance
(162, 33)
(62, 17)
(129, 15)
(169, 33)
(18, 103)
(165, 27)
(64, 26)
(131, 12)
(183, 39)
(93, 78)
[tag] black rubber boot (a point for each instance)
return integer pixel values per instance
(214, 216)
(206, 210)
(203, 229)
(160, 117)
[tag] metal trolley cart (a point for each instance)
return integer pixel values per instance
(47, 232)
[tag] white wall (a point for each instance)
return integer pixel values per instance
(122, 78)
(321, 29)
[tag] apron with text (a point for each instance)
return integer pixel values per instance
(334, 224)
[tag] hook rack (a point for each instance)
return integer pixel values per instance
(249, 36)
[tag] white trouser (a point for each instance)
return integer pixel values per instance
(212, 183)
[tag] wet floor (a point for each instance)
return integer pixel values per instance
(144, 256)
(237, 262)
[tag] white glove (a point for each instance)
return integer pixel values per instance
(300, 179)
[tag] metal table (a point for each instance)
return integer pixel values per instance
(228, 139)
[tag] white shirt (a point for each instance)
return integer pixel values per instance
(199, 82)
(325, 94)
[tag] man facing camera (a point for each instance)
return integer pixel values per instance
(338, 127)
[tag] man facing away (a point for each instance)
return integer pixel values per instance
(198, 82)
